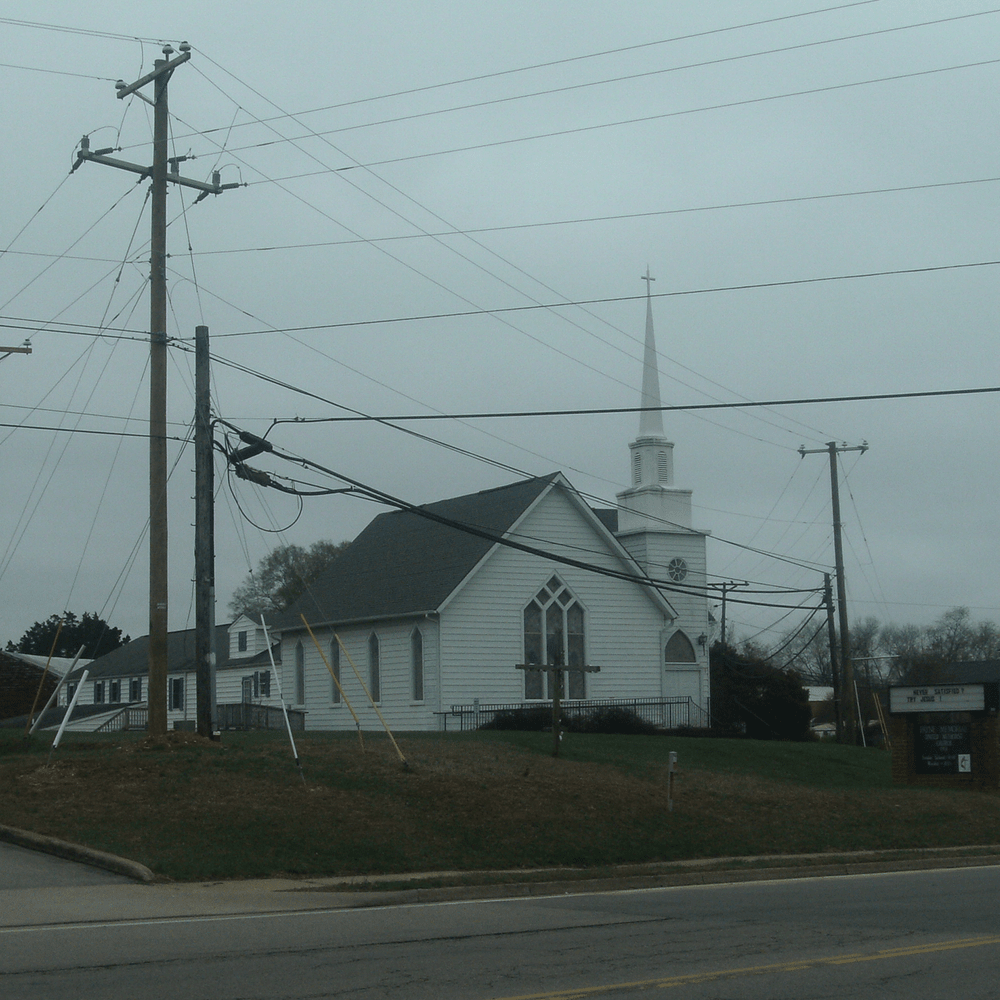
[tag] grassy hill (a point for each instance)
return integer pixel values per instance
(196, 810)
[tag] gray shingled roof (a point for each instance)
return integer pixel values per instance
(132, 659)
(404, 564)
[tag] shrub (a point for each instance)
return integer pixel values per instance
(751, 698)
(609, 719)
(606, 719)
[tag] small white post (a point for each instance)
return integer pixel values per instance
(55, 694)
(281, 698)
(70, 707)
(670, 780)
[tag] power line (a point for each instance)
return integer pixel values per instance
(591, 55)
(491, 536)
(57, 72)
(497, 277)
(749, 286)
(89, 32)
(683, 407)
(82, 430)
(617, 79)
(724, 206)
(643, 119)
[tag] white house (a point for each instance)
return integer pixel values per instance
(119, 679)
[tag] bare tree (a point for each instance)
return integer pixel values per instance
(281, 576)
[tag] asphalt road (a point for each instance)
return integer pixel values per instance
(915, 935)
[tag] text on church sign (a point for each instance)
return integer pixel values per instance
(938, 698)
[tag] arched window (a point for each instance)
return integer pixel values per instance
(679, 649)
(335, 667)
(374, 675)
(554, 635)
(417, 664)
(300, 674)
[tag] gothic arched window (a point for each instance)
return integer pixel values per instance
(374, 670)
(679, 649)
(554, 636)
(300, 674)
(335, 667)
(417, 664)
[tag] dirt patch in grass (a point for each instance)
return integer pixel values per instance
(193, 809)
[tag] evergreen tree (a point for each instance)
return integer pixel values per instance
(91, 631)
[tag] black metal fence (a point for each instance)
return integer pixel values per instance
(664, 713)
(244, 715)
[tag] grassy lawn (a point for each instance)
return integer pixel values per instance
(194, 810)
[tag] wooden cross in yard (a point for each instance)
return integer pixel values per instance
(555, 672)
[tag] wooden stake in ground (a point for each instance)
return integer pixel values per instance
(364, 687)
(336, 679)
(555, 672)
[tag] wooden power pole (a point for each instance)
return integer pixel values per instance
(204, 538)
(159, 77)
(846, 665)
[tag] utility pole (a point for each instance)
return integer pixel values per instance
(846, 665)
(6, 352)
(204, 539)
(159, 77)
(725, 588)
(831, 634)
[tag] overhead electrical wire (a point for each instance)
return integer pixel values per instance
(645, 119)
(381, 496)
(87, 32)
(564, 61)
(469, 260)
(624, 78)
(57, 72)
(722, 206)
(711, 290)
(671, 408)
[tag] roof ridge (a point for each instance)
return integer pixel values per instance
(493, 489)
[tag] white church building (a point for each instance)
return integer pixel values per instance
(453, 603)
(445, 605)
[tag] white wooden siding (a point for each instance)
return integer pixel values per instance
(396, 703)
(483, 626)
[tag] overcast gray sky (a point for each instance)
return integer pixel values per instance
(409, 160)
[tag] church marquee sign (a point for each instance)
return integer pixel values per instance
(938, 698)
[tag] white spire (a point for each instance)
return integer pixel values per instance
(650, 420)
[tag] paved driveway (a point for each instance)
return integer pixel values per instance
(24, 869)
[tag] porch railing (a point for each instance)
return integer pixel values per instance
(245, 715)
(664, 713)
(130, 717)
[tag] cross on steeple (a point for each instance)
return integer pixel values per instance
(645, 277)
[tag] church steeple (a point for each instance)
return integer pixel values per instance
(652, 502)
(650, 420)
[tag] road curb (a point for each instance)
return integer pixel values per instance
(506, 890)
(77, 852)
